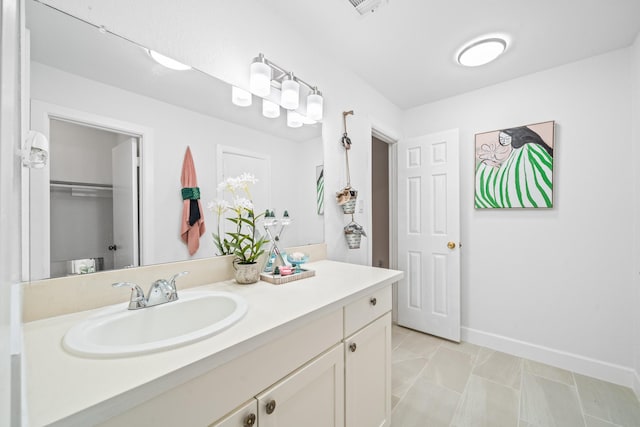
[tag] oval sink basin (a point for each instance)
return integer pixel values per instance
(117, 332)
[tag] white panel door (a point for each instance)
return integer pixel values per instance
(429, 234)
(125, 203)
(233, 162)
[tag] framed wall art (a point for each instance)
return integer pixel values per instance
(514, 167)
(320, 189)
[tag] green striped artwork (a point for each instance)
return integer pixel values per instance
(514, 168)
(320, 189)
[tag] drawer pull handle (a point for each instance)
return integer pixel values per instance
(250, 420)
(373, 301)
(271, 406)
(353, 347)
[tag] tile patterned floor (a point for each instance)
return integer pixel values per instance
(440, 383)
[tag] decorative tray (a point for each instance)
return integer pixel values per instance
(279, 280)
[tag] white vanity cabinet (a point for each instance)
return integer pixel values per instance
(311, 397)
(368, 361)
(245, 416)
(319, 349)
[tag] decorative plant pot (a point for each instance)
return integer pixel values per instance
(246, 273)
(353, 239)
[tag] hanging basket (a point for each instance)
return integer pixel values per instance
(347, 199)
(353, 239)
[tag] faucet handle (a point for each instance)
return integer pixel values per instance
(137, 294)
(172, 285)
(172, 281)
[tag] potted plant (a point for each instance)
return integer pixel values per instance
(244, 242)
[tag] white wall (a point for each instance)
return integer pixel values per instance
(221, 38)
(173, 129)
(554, 285)
(635, 54)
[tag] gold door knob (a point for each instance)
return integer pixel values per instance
(451, 245)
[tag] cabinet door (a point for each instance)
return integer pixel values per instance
(368, 375)
(245, 416)
(312, 396)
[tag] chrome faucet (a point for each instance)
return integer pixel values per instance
(160, 292)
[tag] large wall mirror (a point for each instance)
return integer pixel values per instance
(119, 124)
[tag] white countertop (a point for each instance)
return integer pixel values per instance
(70, 390)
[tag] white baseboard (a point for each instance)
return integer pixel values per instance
(599, 369)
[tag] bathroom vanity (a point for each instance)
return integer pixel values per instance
(314, 352)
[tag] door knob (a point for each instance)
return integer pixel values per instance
(451, 245)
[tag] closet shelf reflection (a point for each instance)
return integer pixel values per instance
(82, 189)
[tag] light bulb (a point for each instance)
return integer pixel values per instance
(290, 93)
(240, 97)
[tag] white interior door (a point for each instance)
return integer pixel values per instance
(429, 234)
(233, 162)
(125, 203)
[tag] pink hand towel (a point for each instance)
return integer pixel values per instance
(192, 226)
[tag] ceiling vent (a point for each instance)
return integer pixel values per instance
(364, 7)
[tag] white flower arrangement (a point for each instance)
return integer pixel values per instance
(245, 245)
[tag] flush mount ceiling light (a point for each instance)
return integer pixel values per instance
(482, 51)
(167, 62)
(265, 75)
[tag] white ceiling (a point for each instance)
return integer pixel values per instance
(406, 49)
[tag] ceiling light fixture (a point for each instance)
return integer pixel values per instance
(482, 51)
(167, 62)
(265, 75)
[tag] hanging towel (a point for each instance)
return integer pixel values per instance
(192, 215)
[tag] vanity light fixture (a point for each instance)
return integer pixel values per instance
(314, 104)
(240, 97)
(481, 52)
(294, 119)
(167, 62)
(265, 75)
(290, 92)
(260, 77)
(306, 120)
(270, 109)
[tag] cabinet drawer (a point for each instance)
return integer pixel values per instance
(365, 310)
